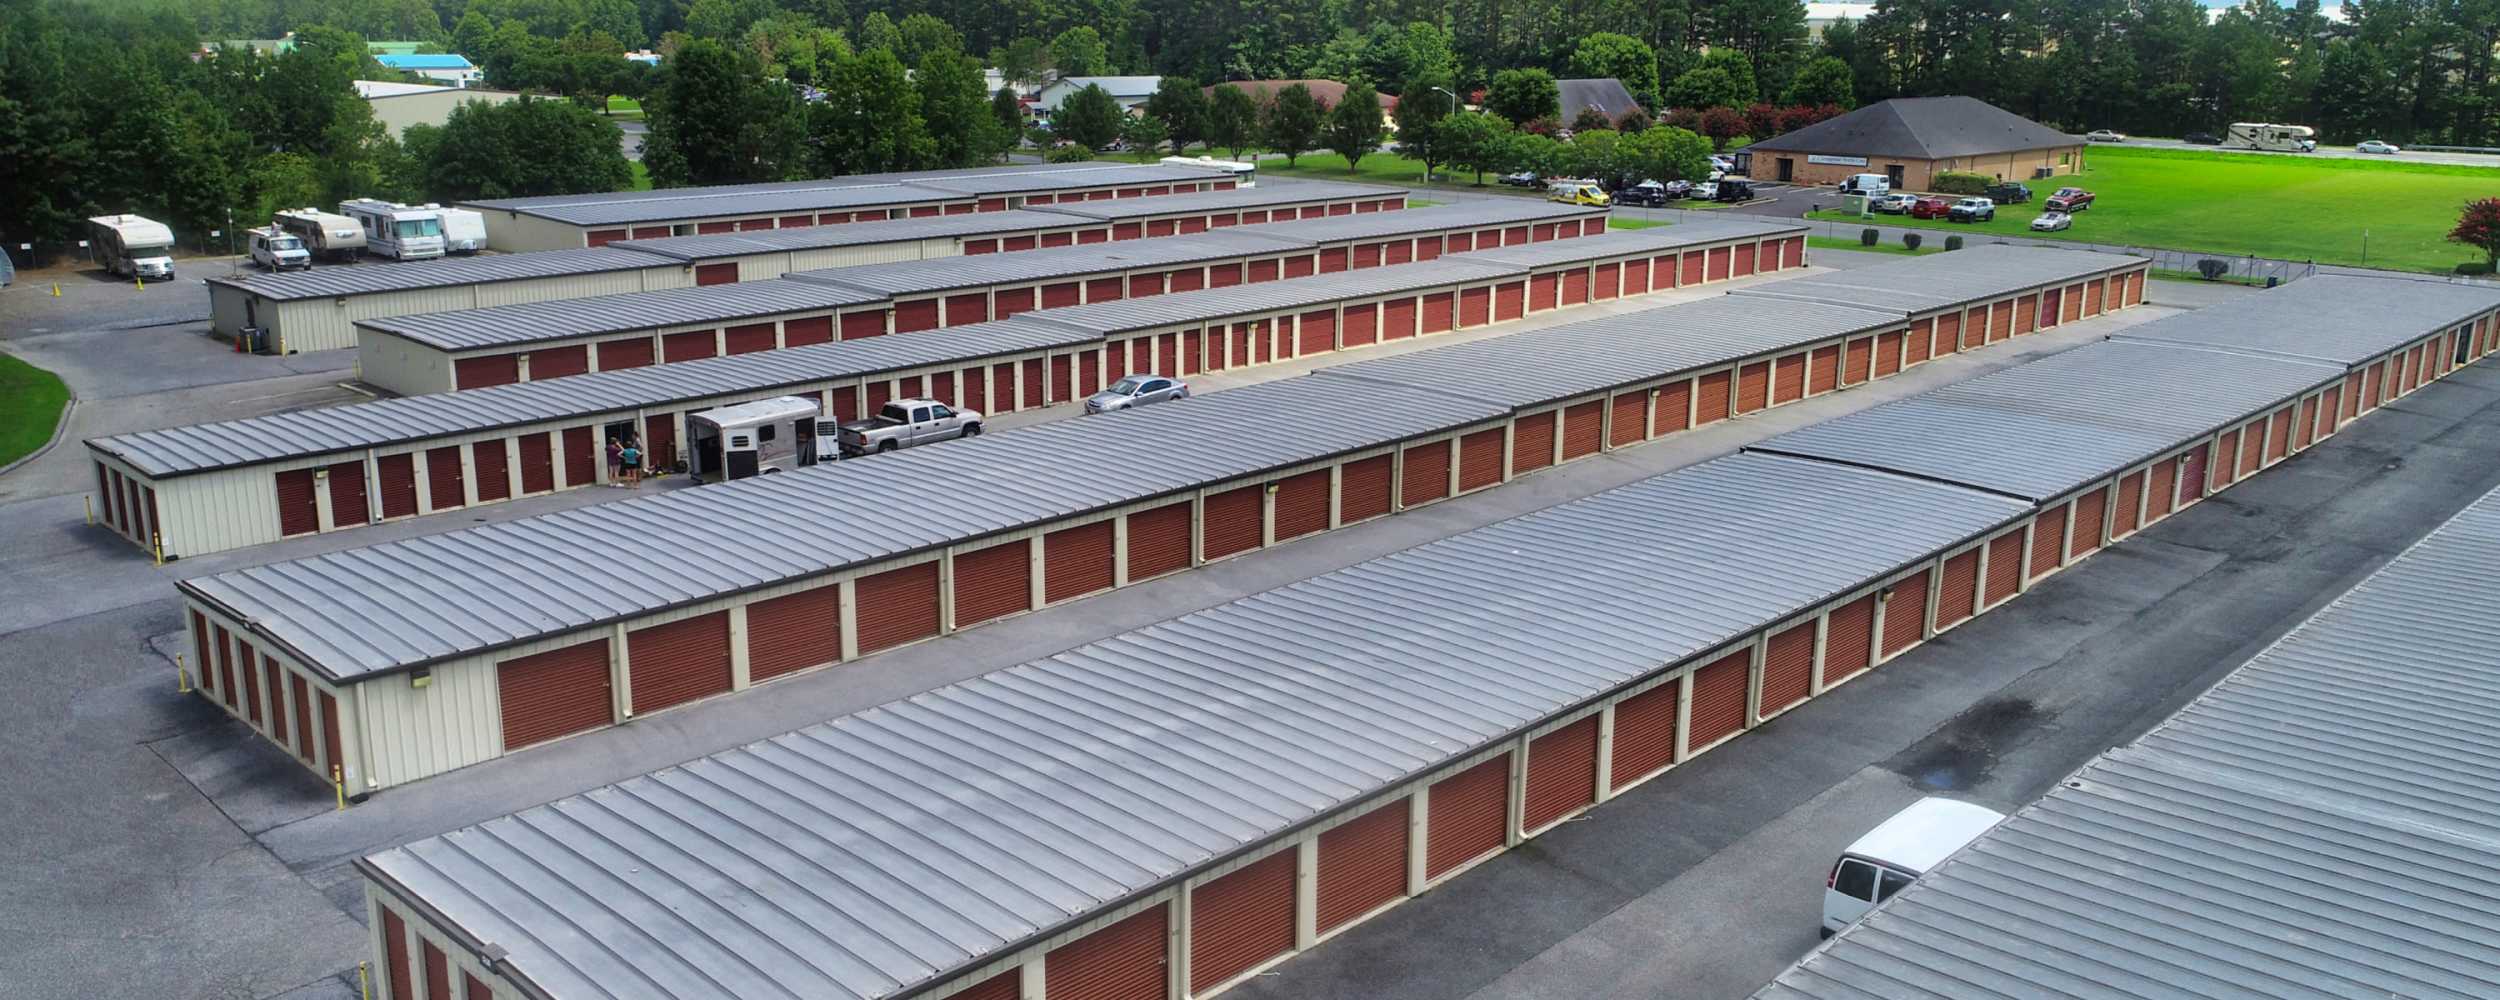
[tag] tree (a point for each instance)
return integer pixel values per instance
(1143, 133)
(1523, 95)
(1623, 57)
(2479, 227)
(1182, 108)
(1705, 87)
(1292, 121)
(877, 31)
(1471, 142)
(958, 115)
(922, 34)
(1591, 120)
(1721, 125)
(1354, 127)
(1024, 63)
(1740, 74)
(1418, 113)
(1824, 81)
(870, 120)
(715, 120)
(722, 19)
(1089, 117)
(1008, 112)
(1079, 51)
(1666, 153)
(520, 149)
(1232, 119)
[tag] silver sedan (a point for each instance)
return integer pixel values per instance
(1136, 390)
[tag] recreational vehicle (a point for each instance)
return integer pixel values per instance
(327, 236)
(759, 438)
(464, 231)
(132, 247)
(400, 232)
(2280, 138)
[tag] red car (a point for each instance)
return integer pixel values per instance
(1930, 208)
(2068, 199)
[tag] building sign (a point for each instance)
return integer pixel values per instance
(1837, 161)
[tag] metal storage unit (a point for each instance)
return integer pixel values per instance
(2366, 775)
(1183, 214)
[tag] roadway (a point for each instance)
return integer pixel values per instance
(2343, 152)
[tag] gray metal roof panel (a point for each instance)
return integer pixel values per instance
(2325, 822)
(887, 849)
(303, 433)
(2060, 422)
(992, 483)
(1560, 362)
(846, 181)
(531, 322)
(1101, 175)
(1917, 284)
(358, 279)
(1299, 193)
(1381, 225)
(624, 213)
(2336, 318)
(1070, 262)
(1268, 296)
(849, 234)
(1627, 241)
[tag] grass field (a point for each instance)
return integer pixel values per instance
(2270, 206)
(624, 107)
(30, 406)
(1623, 222)
(642, 177)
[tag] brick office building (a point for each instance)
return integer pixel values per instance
(1911, 138)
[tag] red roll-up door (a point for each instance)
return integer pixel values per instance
(109, 495)
(897, 606)
(2306, 430)
(581, 457)
(1332, 260)
(398, 483)
(1510, 300)
(1712, 402)
(299, 512)
(1223, 275)
(2091, 510)
(1583, 429)
(225, 666)
(1366, 255)
(1541, 290)
(1947, 339)
(2026, 314)
(993, 582)
(2005, 568)
(1636, 276)
(348, 504)
(2048, 541)
(558, 362)
(793, 632)
(1475, 306)
(1788, 668)
(1753, 386)
(2130, 499)
(480, 372)
(1362, 324)
(250, 672)
(437, 971)
(2192, 476)
(1675, 407)
(1532, 442)
(1263, 270)
(1397, 319)
(749, 339)
(1688, 267)
(1302, 504)
(2279, 435)
(443, 475)
(2073, 298)
(1440, 312)
(1466, 816)
(1362, 865)
(1958, 589)
(1644, 739)
(598, 238)
(1067, 293)
(678, 662)
(2161, 490)
(556, 693)
(1562, 774)
(975, 391)
(1241, 920)
(1859, 365)
(1078, 561)
(715, 274)
(538, 467)
(913, 316)
(1575, 286)
(1316, 333)
(1608, 281)
(1062, 377)
(659, 438)
(1426, 476)
(1848, 643)
(1630, 419)
(1788, 379)
(395, 956)
(2252, 444)
(1905, 613)
(692, 345)
(1363, 491)
(1124, 961)
(1159, 540)
(620, 354)
(864, 324)
(1887, 354)
(1235, 521)
(2000, 321)
(1030, 383)
(1479, 459)
(1719, 698)
(1744, 259)
(2049, 311)
(969, 308)
(1720, 257)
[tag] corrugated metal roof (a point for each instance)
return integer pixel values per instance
(1915, 284)
(528, 322)
(1542, 366)
(357, 279)
(301, 433)
(1382, 225)
(1056, 263)
(2060, 422)
(2323, 823)
(887, 849)
(1033, 182)
(849, 180)
(362, 611)
(849, 234)
(1300, 193)
(1269, 296)
(1627, 241)
(2336, 318)
(890, 190)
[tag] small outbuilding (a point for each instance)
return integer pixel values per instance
(1910, 139)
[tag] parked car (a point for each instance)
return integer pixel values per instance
(1705, 191)
(2050, 222)
(1678, 189)
(279, 250)
(1876, 867)
(1896, 203)
(1870, 185)
(2379, 148)
(1722, 162)
(1134, 391)
(1523, 179)
(1578, 193)
(1649, 193)
(905, 423)
(1972, 210)
(2201, 139)
(2104, 135)
(1732, 191)
(1930, 208)
(2009, 192)
(2068, 199)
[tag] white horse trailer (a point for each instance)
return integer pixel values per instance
(760, 438)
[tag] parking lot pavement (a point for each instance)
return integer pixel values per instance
(1705, 882)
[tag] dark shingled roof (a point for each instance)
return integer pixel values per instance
(1607, 94)
(1922, 128)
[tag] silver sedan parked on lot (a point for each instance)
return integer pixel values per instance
(1136, 390)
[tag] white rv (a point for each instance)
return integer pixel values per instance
(1243, 174)
(464, 231)
(132, 247)
(760, 438)
(400, 232)
(2280, 138)
(332, 237)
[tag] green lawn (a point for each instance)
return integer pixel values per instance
(624, 107)
(2282, 206)
(642, 176)
(1381, 167)
(30, 406)
(1623, 222)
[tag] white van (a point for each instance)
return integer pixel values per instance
(279, 250)
(1870, 185)
(1896, 852)
(760, 438)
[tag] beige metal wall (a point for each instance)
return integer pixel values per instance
(401, 366)
(433, 107)
(329, 323)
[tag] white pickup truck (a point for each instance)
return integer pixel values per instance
(904, 423)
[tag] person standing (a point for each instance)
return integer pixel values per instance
(633, 463)
(616, 462)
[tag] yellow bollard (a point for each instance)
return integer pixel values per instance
(338, 783)
(90, 510)
(142, 282)
(56, 289)
(182, 676)
(156, 544)
(364, 986)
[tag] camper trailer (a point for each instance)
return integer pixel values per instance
(1243, 174)
(760, 438)
(399, 232)
(2280, 138)
(132, 247)
(464, 231)
(327, 236)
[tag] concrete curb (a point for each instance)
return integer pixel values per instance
(60, 429)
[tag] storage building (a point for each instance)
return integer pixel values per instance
(2317, 824)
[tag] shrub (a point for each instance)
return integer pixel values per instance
(1952, 243)
(2212, 269)
(1911, 241)
(2474, 267)
(1070, 153)
(1869, 237)
(1960, 182)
